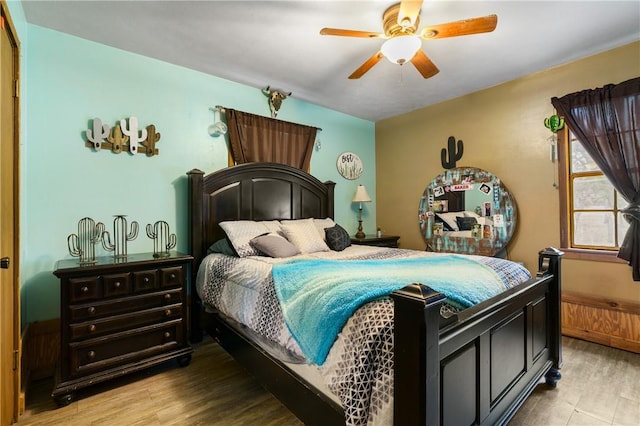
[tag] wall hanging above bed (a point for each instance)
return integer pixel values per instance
(123, 137)
(254, 138)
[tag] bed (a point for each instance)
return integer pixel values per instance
(471, 366)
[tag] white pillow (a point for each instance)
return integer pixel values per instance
(272, 225)
(304, 235)
(468, 213)
(450, 219)
(322, 224)
(241, 232)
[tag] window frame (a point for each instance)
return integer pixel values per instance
(563, 145)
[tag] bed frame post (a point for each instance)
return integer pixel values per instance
(549, 263)
(416, 338)
(195, 177)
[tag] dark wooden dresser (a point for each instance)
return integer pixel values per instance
(118, 317)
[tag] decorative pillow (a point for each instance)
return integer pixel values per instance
(274, 245)
(241, 232)
(221, 246)
(272, 225)
(322, 224)
(450, 220)
(304, 235)
(337, 238)
(466, 223)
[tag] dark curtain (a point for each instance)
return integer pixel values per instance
(254, 138)
(606, 121)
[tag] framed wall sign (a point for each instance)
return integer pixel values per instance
(349, 165)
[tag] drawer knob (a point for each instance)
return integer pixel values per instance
(91, 354)
(91, 310)
(167, 334)
(92, 328)
(146, 279)
(167, 312)
(84, 289)
(117, 284)
(167, 297)
(172, 276)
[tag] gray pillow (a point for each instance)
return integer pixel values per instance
(273, 245)
(222, 246)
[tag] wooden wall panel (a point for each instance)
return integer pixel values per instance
(600, 320)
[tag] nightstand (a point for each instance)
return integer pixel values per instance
(119, 316)
(372, 240)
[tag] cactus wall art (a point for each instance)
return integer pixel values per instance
(126, 136)
(450, 155)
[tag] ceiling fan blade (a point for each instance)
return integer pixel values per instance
(484, 24)
(424, 65)
(369, 63)
(409, 11)
(350, 33)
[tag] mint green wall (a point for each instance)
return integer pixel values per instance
(70, 81)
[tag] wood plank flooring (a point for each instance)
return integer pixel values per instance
(599, 386)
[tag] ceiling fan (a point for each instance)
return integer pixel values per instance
(400, 23)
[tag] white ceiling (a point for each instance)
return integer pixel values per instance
(277, 43)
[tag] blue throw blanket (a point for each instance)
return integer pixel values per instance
(319, 296)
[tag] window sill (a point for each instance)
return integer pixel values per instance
(594, 255)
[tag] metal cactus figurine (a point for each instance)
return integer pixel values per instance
(163, 241)
(121, 237)
(454, 155)
(83, 243)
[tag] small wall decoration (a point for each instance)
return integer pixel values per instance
(119, 247)
(349, 165)
(453, 154)
(275, 98)
(163, 241)
(123, 137)
(554, 123)
(83, 243)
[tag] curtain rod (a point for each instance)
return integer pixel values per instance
(222, 109)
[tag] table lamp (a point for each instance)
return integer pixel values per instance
(361, 196)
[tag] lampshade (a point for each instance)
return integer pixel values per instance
(361, 195)
(401, 49)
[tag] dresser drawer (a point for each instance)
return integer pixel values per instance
(88, 311)
(118, 349)
(100, 327)
(116, 285)
(171, 277)
(86, 288)
(145, 280)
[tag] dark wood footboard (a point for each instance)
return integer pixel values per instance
(481, 368)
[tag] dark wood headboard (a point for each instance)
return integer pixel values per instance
(252, 191)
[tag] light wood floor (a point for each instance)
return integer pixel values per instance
(599, 386)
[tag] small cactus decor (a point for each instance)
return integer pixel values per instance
(449, 156)
(163, 241)
(119, 246)
(554, 123)
(83, 243)
(126, 136)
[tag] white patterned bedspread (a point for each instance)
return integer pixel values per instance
(242, 288)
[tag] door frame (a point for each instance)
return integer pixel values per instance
(16, 342)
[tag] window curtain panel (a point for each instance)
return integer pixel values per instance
(254, 138)
(606, 121)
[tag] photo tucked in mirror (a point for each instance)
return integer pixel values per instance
(469, 211)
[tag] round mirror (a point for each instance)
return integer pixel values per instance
(469, 211)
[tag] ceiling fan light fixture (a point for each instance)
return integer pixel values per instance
(401, 49)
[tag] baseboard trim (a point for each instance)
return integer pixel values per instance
(602, 320)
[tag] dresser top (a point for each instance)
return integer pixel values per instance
(73, 265)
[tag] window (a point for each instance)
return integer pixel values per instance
(591, 218)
